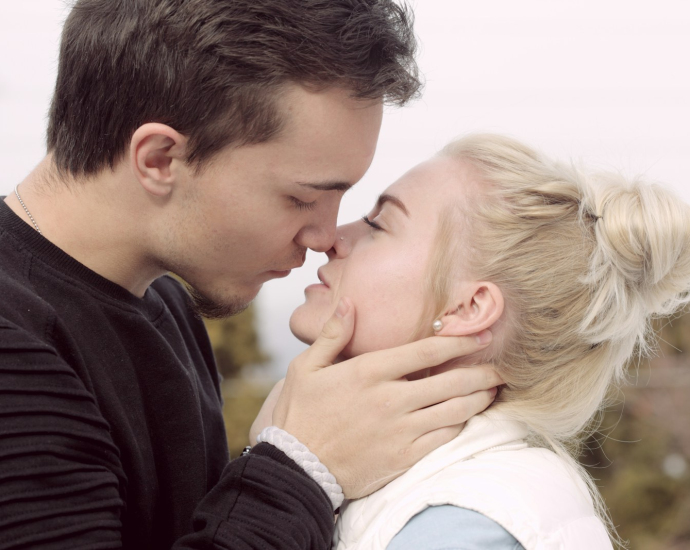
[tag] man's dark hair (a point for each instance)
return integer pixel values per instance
(212, 69)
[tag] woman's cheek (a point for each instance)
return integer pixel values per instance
(386, 290)
(375, 324)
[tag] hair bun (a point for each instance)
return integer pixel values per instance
(641, 264)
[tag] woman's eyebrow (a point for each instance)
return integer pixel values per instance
(383, 199)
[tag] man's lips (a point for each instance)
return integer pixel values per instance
(287, 270)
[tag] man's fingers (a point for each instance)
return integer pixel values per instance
(335, 335)
(452, 412)
(395, 363)
(430, 441)
(458, 382)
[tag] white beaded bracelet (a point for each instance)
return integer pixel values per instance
(307, 460)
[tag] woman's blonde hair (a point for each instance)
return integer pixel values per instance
(584, 261)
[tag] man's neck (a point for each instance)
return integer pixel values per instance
(96, 221)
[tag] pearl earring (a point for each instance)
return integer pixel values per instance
(438, 325)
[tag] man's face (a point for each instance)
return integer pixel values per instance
(252, 213)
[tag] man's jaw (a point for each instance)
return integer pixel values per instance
(212, 307)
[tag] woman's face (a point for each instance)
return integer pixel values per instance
(382, 266)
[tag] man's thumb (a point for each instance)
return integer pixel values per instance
(335, 335)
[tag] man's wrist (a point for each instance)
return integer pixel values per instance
(307, 460)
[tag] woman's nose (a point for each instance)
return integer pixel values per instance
(346, 236)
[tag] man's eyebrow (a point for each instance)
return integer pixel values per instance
(341, 186)
(383, 199)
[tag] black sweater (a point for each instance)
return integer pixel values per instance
(111, 433)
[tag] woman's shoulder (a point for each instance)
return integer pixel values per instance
(531, 492)
(449, 527)
(531, 477)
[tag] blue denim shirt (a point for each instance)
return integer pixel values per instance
(453, 528)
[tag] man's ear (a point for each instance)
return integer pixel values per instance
(477, 307)
(154, 150)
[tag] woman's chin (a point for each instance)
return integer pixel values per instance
(305, 339)
(302, 329)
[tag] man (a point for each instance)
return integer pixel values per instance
(213, 139)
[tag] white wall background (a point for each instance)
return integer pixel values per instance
(606, 81)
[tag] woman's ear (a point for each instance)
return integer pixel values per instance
(154, 151)
(477, 307)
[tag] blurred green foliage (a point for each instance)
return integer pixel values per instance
(236, 347)
(242, 402)
(650, 508)
(641, 457)
(235, 343)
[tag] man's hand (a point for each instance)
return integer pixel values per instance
(363, 419)
(265, 417)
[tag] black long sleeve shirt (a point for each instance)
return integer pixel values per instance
(111, 433)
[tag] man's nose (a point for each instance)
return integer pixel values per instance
(319, 233)
(318, 238)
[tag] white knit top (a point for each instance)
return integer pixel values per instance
(531, 492)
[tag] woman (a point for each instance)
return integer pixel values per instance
(566, 269)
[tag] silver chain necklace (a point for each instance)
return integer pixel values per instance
(16, 192)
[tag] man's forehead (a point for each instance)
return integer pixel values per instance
(325, 111)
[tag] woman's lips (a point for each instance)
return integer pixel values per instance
(323, 285)
(319, 274)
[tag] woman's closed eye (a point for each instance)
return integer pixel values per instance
(371, 223)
